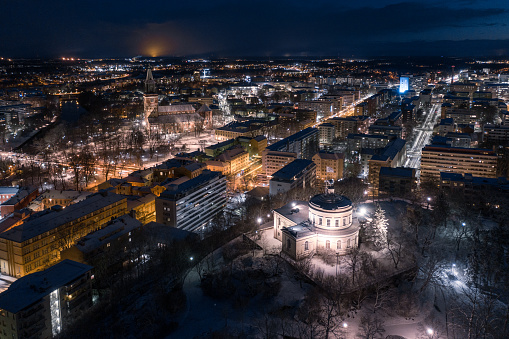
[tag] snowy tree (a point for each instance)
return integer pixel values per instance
(379, 227)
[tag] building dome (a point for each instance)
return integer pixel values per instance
(330, 211)
(329, 201)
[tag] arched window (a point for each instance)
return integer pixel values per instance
(348, 243)
(306, 246)
(339, 245)
(327, 244)
(288, 244)
(328, 222)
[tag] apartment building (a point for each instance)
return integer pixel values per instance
(38, 241)
(298, 173)
(42, 304)
(329, 166)
(192, 204)
(476, 161)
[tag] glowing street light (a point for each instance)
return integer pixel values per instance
(429, 331)
(345, 325)
(259, 220)
(362, 211)
(463, 224)
(294, 204)
(191, 258)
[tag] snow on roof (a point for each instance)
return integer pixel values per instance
(51, 219)
(297, 211)
(8, 190)
(113, 230)
(33, 287)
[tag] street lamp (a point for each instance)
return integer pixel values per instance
(429, 331)
(191, 258)
(362, 211)
(294, 204)
(463, 224)
(345, 325)
(429, 199)
(259, 220)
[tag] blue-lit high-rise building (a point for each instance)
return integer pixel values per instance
(404, 84)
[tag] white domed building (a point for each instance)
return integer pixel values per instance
(326, 222)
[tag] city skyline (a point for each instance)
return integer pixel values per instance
(225, 28)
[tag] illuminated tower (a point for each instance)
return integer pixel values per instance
(150, 98)
(452, 77)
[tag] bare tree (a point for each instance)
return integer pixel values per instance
(371, 327)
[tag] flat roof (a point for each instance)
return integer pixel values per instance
(49, 219)
(111, 231)
(282, 144)
(292, 169)
(33, 287)
(297, 211)
(174, 190)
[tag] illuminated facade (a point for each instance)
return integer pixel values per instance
(37, 242)
(40, 305)
(478, 162)
(325, 223)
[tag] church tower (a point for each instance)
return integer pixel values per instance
(150, 98)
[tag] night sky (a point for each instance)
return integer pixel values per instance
(363, 28)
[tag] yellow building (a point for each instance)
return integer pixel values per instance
(231, 161)
(62, 198)
(250, 128)
(329, 166)
(36, 244)
(375, 164)
(143, 208)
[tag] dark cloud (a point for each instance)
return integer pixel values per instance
(226, 27)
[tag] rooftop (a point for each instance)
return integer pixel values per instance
(329, 201)
(297, 211)
(111, 231)
(292, 169)
(31, 288)
(174, 190)
(50, 219)
(282, 144)
(397, 172)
